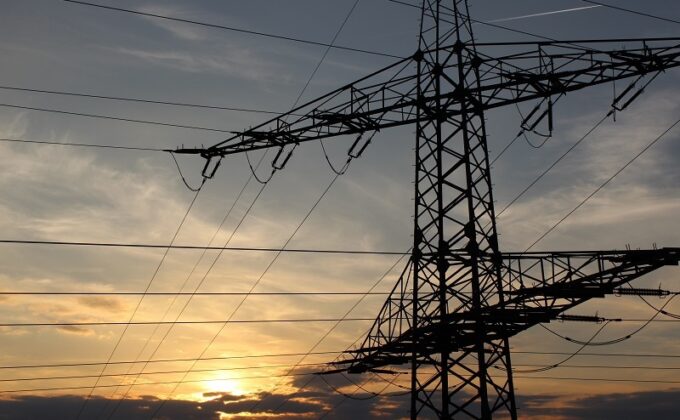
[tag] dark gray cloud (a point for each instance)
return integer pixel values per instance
(659, 405)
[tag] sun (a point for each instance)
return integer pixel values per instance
(230, 386)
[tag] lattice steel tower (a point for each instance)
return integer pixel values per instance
(452, 312)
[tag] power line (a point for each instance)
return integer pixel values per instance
(75, 388)
(197, 247)
(309, 374)
(138, 100)
(636, 12)
(161, 372)
(605, 366)
(279, 355)
(109, 117)
(545, 368)
(71, 144)
(29, 293)
(633, 355)
(234, 29)
(580, 378)
(590, 341)
(577, 378)
(183, 360)
(126, 323)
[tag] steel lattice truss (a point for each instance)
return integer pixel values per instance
(539, 287)
(460, 299)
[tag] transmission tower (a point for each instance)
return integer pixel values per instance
(450, 317)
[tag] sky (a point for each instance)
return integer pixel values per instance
(60, 193)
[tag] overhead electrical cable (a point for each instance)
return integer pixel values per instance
(633, 355)
(578, 378)
(159, 372)
(30, 293)
(196, 322)
(138, 100)
(109, 117)
(156, 361)
(196, 247)
(572, 378)
(198, 381)
(72, 144)
(233, 29)
(231, 321)
(279, 355)
(563, 361)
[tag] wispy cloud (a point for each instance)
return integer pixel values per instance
(180, 30)
(102, 303)
(240, 63)
(76, 330)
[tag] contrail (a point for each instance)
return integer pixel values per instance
(554, 12)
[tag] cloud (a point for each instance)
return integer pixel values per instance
(103, 303)
(180, 30)
(241, 63)
(59, 407)
(659, 405)
(76, 330)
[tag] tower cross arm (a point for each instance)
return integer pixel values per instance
(538, 287)
(389, 97)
